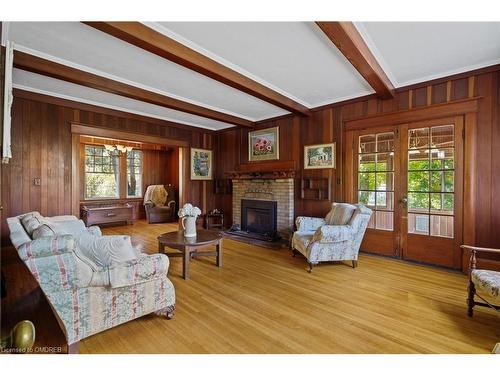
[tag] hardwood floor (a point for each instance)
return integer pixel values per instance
(263, 301)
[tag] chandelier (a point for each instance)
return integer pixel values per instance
(120, 148)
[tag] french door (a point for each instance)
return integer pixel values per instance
(411, 176)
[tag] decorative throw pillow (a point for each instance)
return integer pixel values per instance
(106, 250)
(340, 214)
(30, 222)
(43, 231)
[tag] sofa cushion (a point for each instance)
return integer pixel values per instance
(43, 231)
(340, 214)
(487, 281)
(73, 227)
(106, 250)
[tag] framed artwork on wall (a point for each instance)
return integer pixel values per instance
(201, 164)
(319, 156)
(264, 144)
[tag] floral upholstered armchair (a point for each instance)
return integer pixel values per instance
(337, 237)
(485, 284)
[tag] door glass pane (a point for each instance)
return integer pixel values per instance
(442, 226)
(442, 158)
(442, 181)
(418, 138)
(366, 181)
(367, 144)
(367, 198)
(385, 181)
(418, 223)
(418, 160)
(385, 142)
(385, 201)
(418, 181)
(442, 203)
(384, 220)
(385, 161)
(367, 163)
(418, 202)
(442, 136)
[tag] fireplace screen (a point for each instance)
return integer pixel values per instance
(259, 216)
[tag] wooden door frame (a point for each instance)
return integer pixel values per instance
(78, 129)
(467, 108)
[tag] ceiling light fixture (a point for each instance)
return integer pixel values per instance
(122, 149)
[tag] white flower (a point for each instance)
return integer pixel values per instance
(189, 210)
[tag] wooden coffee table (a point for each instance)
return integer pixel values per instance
(188, 246)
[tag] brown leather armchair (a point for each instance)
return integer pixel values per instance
(157, 210)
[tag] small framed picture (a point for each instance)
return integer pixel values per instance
(264, 144)
(319, 156)
(201, 164)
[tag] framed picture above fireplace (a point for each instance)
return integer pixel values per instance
(201, 164)
(264, 144)
(319, 156)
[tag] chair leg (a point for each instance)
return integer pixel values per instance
(354, 263)
(470, 298)
(294, 252)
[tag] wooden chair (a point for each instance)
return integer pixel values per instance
(486, 282)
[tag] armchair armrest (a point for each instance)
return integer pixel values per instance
(171, 205)
(333, 233)
(308, 224)
(138, 270)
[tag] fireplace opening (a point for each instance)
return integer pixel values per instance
(259, 219)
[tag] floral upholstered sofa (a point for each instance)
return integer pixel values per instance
(87, 297)
(336, 237)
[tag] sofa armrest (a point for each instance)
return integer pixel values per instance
(308, 224)
(333, 233)
(47, 246)
(139, 270)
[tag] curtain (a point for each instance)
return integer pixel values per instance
(7, 103)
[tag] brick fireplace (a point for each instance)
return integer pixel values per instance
(279, 190)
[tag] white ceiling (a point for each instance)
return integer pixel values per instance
(49, 86)
(293, 58)
(413, 52)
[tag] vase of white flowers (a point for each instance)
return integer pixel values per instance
(188, 214)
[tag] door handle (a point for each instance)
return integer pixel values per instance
(404, 201)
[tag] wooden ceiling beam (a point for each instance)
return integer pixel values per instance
(66, 73)
(350, 42)
(150, 40)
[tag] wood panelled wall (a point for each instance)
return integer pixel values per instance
(327, 124)
(41, 148)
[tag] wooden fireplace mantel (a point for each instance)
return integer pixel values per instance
(264, 175)
(269, 170)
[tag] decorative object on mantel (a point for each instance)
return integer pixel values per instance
(201, 164)
(120, 148)
(316, 188)
(264, 144)
(188, 213)
(319, 156)
(271, 175)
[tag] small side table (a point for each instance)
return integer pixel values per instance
(218, 221)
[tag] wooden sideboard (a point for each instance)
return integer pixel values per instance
(107, 213)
